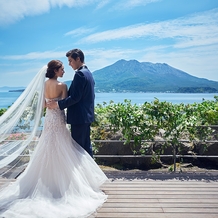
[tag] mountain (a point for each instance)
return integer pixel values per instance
(134, 76)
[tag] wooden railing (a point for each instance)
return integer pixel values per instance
(174, 155)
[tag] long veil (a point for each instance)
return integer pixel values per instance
(20, 127)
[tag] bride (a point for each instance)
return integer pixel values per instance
(61, 179)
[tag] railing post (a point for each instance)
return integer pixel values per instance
(174, 157)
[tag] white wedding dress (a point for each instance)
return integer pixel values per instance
(60, 181)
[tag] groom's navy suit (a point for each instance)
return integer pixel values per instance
(80, 107)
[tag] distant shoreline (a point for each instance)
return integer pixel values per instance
(19, 90)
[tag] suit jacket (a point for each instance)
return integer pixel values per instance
(80, 100)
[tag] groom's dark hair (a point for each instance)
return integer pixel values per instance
(74, 53)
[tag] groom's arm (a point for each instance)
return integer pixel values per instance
(76, 91)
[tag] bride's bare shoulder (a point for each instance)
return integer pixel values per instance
(63, 85)
(54, 82)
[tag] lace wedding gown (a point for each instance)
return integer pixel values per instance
(60, 181)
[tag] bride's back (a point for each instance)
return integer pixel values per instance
(55, 89)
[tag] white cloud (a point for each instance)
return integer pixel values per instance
(14, 10)
(102, 4)
(124, 4)
(134, 31)
(198, 61)
(194, 30)
(100, 58)
(36, 56)
(79, 31)
(128, 4)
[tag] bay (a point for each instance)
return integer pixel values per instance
(140, 98)
(8, 98)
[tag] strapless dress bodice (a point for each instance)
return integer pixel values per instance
(52, 99)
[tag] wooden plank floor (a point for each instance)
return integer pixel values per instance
(161, 195)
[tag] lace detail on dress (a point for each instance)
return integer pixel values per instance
(54, 119)
(55, 122)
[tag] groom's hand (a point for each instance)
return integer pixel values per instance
(52, 104)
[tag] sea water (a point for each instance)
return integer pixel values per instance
(8, 98)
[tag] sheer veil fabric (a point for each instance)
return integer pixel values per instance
(20, 125)
(61, 180)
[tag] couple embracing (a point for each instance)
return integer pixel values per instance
(61, 179)
(80, 100)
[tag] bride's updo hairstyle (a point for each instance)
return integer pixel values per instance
(52, 66)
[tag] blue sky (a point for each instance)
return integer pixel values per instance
(181, 33)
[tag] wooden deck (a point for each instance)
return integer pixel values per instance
(159, 195)
(192, 195)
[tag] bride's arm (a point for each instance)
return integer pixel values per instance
(44, 104)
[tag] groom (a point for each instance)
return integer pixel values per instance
(80, 101)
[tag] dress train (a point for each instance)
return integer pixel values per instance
(60, 181)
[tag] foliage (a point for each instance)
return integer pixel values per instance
(143, 123)
(2, 111)
(28, 114)
(99, 126)
(197, 90)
